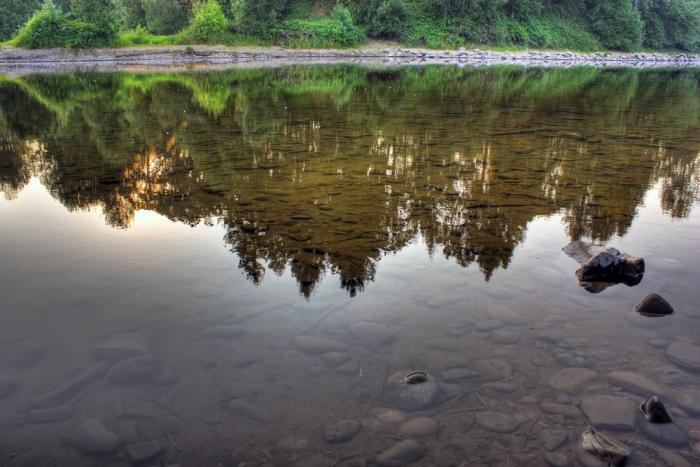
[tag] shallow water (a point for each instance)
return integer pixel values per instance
(221, 219)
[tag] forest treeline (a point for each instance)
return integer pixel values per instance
(574, 24)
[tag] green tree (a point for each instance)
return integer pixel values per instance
(617, 24)
(209, 24)
(257, 17)
(164, 16)
(13, 14)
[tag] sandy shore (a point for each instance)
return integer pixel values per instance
(17, 61)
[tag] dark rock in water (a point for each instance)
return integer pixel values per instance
(568, 411)
(132, 370)
(52, 414)
(249, 410)
(146, 450)
(93, 438)
(342, 431)
(655, 411)
(8, 384)
(608, 450)
(684, 354)
(400, 454)
(122, 346)
(602, 267)
(552, 439)
(654, 305)
(412, 390)
(556, 459)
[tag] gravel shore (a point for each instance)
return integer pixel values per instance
(17, 61)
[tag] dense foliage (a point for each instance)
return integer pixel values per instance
(574, 24)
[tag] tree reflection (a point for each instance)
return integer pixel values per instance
(326, 169)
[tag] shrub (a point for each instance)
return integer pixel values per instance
(44, 29)
(338, 30)
(387, 19)
(100, 13)
(209, 24)
(257, 17)
(164, 16)
(617, 24)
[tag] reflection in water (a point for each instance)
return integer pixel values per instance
(327, 169)
(444, 195)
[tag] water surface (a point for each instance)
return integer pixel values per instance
(222, 218)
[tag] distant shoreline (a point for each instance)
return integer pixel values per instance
(18, 61)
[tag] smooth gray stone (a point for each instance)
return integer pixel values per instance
(144, 451)
(92, 437)
(314, 345)
(568, 411)
(610, 412)
(225, 331)
(249, 410)
(556, 459)
(334, 359)
(349, 368)
(668, 434)
(457, 374)
(572, 379)
(502, 336)
(122, 346)
(342, 431)
(372, 333)
(52, 414)
(412, 397)
(402, 453)
(506, 315)
(72, 387)
(498, 422)
(635, 383)
(493, 368)
(418, 428)
(552, 439)
(684, 354)
(689, 400)
(132, 370)
(488, 325)
(8, 384)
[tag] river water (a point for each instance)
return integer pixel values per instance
(217, 268)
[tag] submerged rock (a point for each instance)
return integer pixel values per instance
(122, 346)
(654, 305)
(635, 383)
(8, 384)
(132, 370)
(684, 354)
(314, 345)
(146, 450)
(402, 453)
(493, 368)
(572, 379)
(52, 414)
(372, 333)
(497, 421)
(669, 434)
(72, 387)
(342, 431)
(250, 411)
(418, 428)
(610, 412)
(93, 438)
(689, 400)
(412, 390)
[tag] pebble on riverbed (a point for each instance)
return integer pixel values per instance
(342, 431)
(418, 428)
(402, 453)
(92, 437)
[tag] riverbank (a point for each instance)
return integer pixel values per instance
(15, 60)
